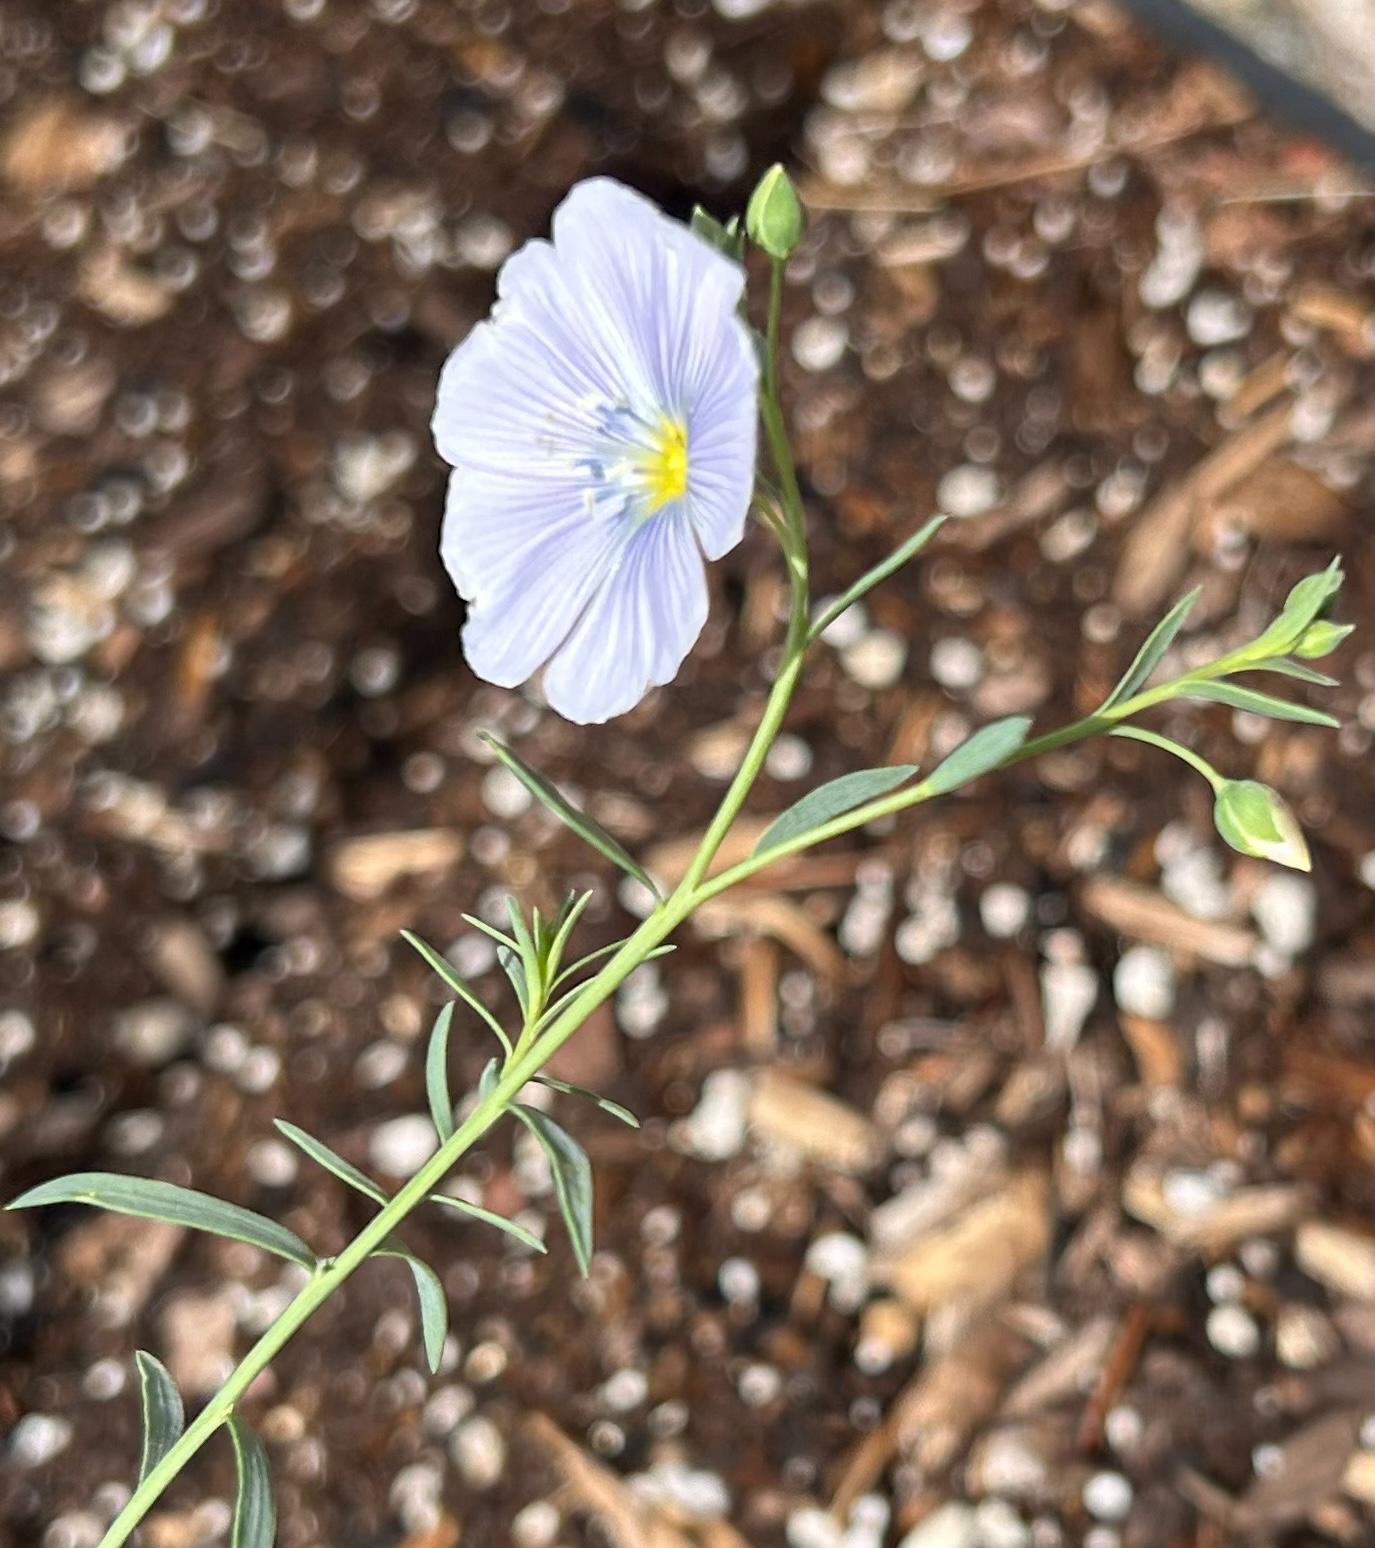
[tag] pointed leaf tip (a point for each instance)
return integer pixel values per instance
(163, 1414)
(833, 799)
(151, 1200)
(589, 831)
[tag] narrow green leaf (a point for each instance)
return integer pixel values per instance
(320, 1153)
(1157, 642)
(499, 936)
(1258, 703)
(572, 1173)
(513, 965)
(526, 1238)
(151, 1200)
(871, 578)
(985, 750)
(1294, 669)
(434, 1305)
(605, 951)
(437, 1076)
(255, 1513)
(605, 1103)
(832, 799)
(564, 926)
(163, 1415)
(1301, 608)
(451, 978)
(587, 830)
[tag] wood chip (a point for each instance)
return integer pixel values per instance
(1340, 1258)
(627, 1520)
(933, 1417)
(759, 996)
(824, 1129)
(754, 913)
(978, 1256)
(55, 145)
(1146, 915)
(366, 866)
(1069, 1370)
(1258, 1211)
(1309, 1467)
(1156, 550)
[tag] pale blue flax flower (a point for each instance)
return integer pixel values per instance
(601, 429)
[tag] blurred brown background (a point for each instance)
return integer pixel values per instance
(1004, 1176)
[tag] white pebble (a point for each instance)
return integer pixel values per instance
(1108, 1496)
(1232, 1331)
(999, 1526)
(1215, 317)
(1068, 993)
(819, 343)
(968, 490)
(38, 1438)
(503, 794)
(536, 1525)
(715, 1129)
(1004, 908)
(957, 664)
(1143, 982)
(479, 1451)
(1285, 907)
(811, 1527)
(877, 660)
(952, 1525)
(401, 1146)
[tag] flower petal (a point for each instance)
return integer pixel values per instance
(637, 629)
(514, 627)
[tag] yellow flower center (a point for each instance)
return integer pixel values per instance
(665, 466)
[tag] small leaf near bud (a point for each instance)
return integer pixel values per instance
(1254, 820)
(1321, 639)
(774, 217)
(727, 239)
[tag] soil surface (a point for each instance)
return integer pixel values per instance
(1004, 1175)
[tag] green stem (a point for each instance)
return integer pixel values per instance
(333, 1272)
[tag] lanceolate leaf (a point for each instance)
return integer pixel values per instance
(446, 971)
(605, 1103)
(434, 1307)
(986, 749)
(1157, 642)
(871, 578)
(437, 1076)
(163, 1415)
(1259, 703)
(832, 799)
(255, 1514)
(320, 1153)
(151, 1200)
(513, 965)
(587, 830)
(526, 1238)
(572, 1173)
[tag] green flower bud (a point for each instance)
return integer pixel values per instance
(1255, 821)
(727, 239)
(1321, 639)
(774, 217)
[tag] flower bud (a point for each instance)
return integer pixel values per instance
(1321, 639)
(1255, 821)
(774, 218)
